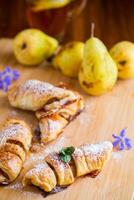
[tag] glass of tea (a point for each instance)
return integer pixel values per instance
(53, 16)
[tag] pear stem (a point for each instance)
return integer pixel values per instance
(92, 29)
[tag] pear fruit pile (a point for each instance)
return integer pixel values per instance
(123, 54)
(69, 58)
(32, 46)
(96, 68)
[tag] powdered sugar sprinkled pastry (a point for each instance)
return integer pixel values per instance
(85, 160)
(15, 141)
(54, 106)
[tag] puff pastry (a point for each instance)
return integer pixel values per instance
(87, 160)
(34, 94)
(55, 106)
(15, 141)
(52, 123)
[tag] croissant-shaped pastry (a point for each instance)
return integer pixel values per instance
(86, 160)
(52, 123)
(55, 106)
(15, 141)
(34, 94)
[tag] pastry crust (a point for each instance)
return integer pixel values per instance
(54, 106)
(14, 149)
(34, 94)
(15, 130)
(96, 155)
(15, 140)
(53, 122)
(10, 166)
(41, 176)
(88, 160)
(63, 170)
(51, 127)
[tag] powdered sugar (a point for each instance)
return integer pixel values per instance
(10, 131)
(78, 152)
(36, 86)
(36, 158)
(95, 150)
(38, 168)
(15, 186)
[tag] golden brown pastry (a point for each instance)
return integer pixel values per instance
(55, 106)
(52, 123)
(51, 127)
(34, 94)
(15, 141)
(91, 157)
(41, 176)
(62, 169)
(86, 160)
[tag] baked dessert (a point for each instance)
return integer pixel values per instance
(34, 94)
(15, 141)
(53, 172)
(52, 122)
(54, 106)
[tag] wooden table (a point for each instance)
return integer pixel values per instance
(102, 117)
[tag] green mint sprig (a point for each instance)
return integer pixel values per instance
(66, 153)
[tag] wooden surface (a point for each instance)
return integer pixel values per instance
(114, 20)
(102, 116)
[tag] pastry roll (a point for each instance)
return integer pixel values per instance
(96, 155)
(91, 157)
(34, 94)
(10, 166)
(63, 170)
(55, 106)
(41, 176)
(86, 160)
(51, 127)
(53, 122)
(15, 140)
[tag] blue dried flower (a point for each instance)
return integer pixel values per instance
(7, 76)
(121, 142)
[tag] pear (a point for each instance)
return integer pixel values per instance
(98, 73)
(32, 46)
(39, 5)
(69, 58)
(123, 54)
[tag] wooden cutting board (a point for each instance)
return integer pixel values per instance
(102, 117)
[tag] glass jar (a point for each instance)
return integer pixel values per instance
(53, 16)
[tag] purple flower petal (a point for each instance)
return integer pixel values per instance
(116, 142)
(128, 143)
(122, 146)
(115, 136)
(123, 132)
(7, 76)
(8, 69)
(16, 75)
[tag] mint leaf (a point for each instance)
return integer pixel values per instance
(65, 154)
(65, 158)
(69, 150)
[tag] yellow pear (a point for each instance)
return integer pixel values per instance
(32, 46)
(69, 58)
(123, 54)
(98, 73)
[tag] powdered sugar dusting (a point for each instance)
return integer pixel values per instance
(15, 186)
(95, 150)
(10, 131)
(38, 168)
(36, 158)
(36, 86)
(78, 152)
